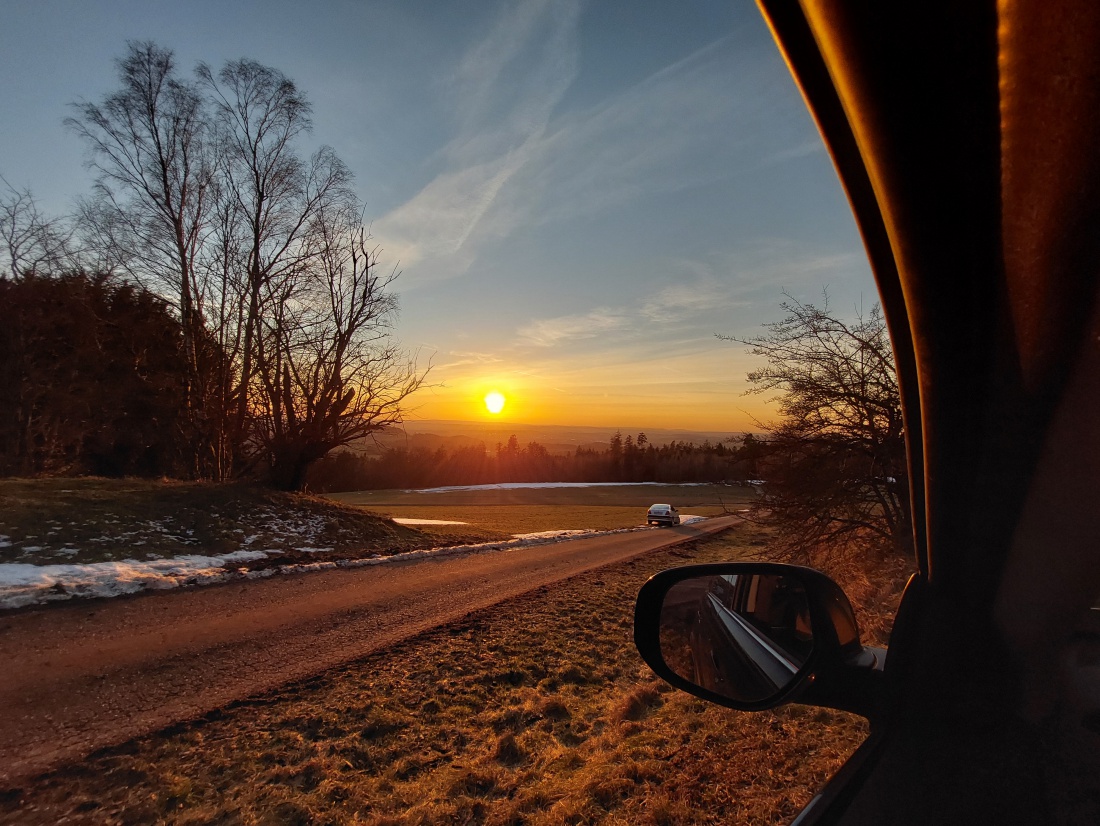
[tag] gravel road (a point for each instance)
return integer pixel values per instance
(81, 676)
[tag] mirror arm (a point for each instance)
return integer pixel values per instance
(855, 684)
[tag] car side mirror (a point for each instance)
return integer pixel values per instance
(752, 636)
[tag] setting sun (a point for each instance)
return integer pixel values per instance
(494, 402)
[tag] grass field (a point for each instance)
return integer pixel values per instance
(89, 520)
(509, 511)
(537, 711)
(634, 496)
(509, 520)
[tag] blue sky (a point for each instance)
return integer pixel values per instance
(579, 195)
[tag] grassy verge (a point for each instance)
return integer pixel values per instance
(80, 521)
(536, 711)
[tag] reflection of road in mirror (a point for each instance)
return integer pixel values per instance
(744, 637)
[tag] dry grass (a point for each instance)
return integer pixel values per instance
(538, 711)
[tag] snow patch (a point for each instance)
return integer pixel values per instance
(22, 584)
(557, 534)
(403, 521)
(533, 485)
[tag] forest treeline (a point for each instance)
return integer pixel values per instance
(93, 378)
(214, 308)
(626, 459)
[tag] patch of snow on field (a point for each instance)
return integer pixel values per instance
(293, 523)
(403, 521)
(22, 584)
(558, 534)
(533, 485)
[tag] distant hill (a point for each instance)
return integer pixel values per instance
(432, 434)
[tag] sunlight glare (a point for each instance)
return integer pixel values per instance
(494, 402)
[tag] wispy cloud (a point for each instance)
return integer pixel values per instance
(504, 91)
(550, 332)
(676, 319)
(777, 264)
(511, 165)
(461, 359)
(648, 139)
(813, 146)
(678, 303)
(507, 84)
(698, 299)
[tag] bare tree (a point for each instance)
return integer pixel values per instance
(203, 192)
(148, 144)
(32, 242)
(835, 460)
(328, 371)
(270, 205)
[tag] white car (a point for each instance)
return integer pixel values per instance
(662, 515)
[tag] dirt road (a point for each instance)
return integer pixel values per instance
(83, 676)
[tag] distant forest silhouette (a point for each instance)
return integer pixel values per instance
(626, 459)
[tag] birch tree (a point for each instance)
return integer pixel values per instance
(148, 143)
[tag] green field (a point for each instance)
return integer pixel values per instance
(511, 511)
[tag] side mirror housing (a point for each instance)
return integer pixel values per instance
(755, 635)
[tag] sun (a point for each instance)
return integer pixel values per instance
(494, 402)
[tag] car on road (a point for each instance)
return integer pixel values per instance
(662, 515)
(965, 135)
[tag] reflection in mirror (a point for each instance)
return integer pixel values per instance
(744, 637)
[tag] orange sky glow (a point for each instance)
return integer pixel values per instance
(576, 206)
(596, 398)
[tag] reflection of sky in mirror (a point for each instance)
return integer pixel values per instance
(579, 195)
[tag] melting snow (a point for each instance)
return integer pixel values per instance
(22, 584)
(558, 534)
(528, 485)
(427, 522)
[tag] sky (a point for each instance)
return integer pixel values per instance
(579, 195)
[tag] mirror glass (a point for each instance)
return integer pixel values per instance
(743, 636)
